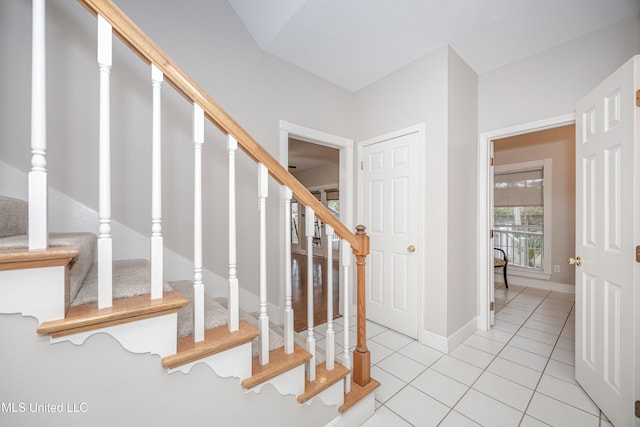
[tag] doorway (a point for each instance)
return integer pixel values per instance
(485, 207)
(332, 156)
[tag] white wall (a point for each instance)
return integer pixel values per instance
(550, 83)
(210, 43)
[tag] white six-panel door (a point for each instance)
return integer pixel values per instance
(607, 360)
(390, 203)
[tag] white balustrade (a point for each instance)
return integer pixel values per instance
(233, 305)
(309, 221)
(288, 309)
(198, 287)
(263, 319)
(330, 339)
(105, 247)
(156, 186)
(38, 233)
(345, 253)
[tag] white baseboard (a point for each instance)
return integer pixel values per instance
(539, 284)
(448, 344)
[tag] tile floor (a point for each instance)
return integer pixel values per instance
(520, 373)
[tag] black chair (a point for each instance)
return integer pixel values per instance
(500, 260)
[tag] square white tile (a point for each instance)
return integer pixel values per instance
(374, 329)
(533, 346)
(473, 356)
(421, 353)
(440, 387)
(563, 355)
(534, 334)
(389, 384)
(455, 419)
(496, 335)
(571, 394)
(392, 340)
(457, 369)
(487, 411)
(402, 367)
(503, 390)
(377, 351)
(561, 371)
(384, 417)
(556, 413)
(515, 372)
(523, 357)
(417, 408)
(483, 343)
(529, 421)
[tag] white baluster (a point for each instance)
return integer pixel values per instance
(263, 319)
(156, 186)
(233, 300)
(330, 340)
(311, 341)
(345, 252)
(38, 234)
(105, 248)
(198, 287)
(288, 309)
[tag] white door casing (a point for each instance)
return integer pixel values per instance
(607, 230)
(390, 207)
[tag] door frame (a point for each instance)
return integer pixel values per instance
(345, 147)
(420, 129)
(484, 211)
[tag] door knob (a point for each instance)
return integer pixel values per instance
(411, 249)
(577, 261)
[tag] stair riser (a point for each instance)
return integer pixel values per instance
(235, 362)
(37, 292)
(357, 414)
(290, 382)
(334, 395)
(156, 335)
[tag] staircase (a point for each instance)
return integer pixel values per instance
(75, 289)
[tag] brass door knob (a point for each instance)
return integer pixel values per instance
(575, 261)
(411, 249)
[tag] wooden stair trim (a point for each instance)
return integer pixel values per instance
(215, 341)
(88, 317)
(357, 393)
(15, 259)
(279, 362)
(324, 380)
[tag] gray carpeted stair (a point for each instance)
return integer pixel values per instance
(215, 314)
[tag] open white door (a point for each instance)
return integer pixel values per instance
(391, 203)
(607, 232)
(492, 282)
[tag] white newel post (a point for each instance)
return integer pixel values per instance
(288, 309)
(263, 319)
(105, 249)
(309, 221)
(233, 310)
(331, 349)
(156, 186)
(198, 287)
(38, 233)
(345, 252)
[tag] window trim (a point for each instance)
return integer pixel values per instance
(547, 196)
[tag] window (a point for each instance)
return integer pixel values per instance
(522, 214)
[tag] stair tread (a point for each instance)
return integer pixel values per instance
(215, 341)
(88, 316)
(14, 259)
(324, 380)
(357, 393)
(279, 362)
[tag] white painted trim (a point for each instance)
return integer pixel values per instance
(448, 344)
(532, 282)
(233, 362)
(345, 145)
(420, 129)
(483, 214)
(37, 292)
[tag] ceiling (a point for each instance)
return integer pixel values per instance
(354, 43)
(306, 155)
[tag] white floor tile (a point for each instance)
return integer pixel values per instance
(566, 343)
(378, 352)
(440, 387)
(389, 385)
(487, 411)
(507, 327)
(483, 343)
(534, 334)
(517, 320)
(544, 327)
(421, 353)
(529, 421)
(374, 329)
(457, 369)
(339, 340)
(392, 340)
(565, 356)
(384, 417)
(402, 367)
(523, 357)
(571, 394)
(417, 408)
(503, 390)
(561, 371)
(496, 335)
(533, 346)
(514, 372)
(556, 413)
(473, 356)
(455, 419)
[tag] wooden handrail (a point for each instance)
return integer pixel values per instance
(150, 52)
